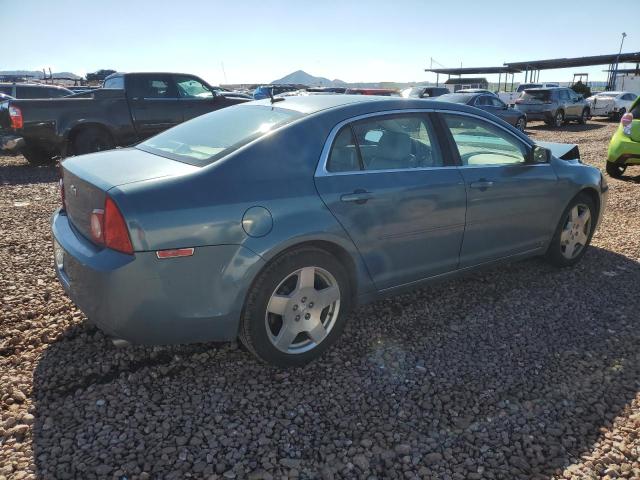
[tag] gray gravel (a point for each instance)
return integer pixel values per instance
(523, 371)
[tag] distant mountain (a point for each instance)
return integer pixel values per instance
(303, 78)
(38, 74)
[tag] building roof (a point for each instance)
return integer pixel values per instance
(456, 80)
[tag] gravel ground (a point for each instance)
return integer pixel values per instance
(522, 371)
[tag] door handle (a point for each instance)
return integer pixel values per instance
(482, 184)
(358, 196)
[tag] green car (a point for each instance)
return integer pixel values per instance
(624, 149)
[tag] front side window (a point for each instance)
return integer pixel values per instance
(152, 87)
(481, 143)
(207, 138)
(189, 87)
(57, 92)
(397, 142)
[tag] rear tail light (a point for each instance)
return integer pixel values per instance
(108, 228)
(626, 121)
(15, 114)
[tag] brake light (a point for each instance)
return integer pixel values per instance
(108, 228)
(15, 114)
(626, 121)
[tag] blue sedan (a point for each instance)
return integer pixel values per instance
(270, 220)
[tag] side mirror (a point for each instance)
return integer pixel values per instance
(540, 154)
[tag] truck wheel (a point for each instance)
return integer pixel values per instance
(584, 116)
(614, 170)
(91, 140)
(36, 156)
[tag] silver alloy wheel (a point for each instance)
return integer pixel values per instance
(521, 124)
(302, 310)
(575, 233)
(559, 119)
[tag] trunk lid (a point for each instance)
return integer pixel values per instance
(88, 178)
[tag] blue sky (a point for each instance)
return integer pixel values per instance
(258, 41)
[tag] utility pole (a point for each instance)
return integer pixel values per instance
(615, 70)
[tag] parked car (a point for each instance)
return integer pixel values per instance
(611, 104)
(326, 89)
(555, 105)
(624, 148)
(269, 221)
(33, 90)
(424, 92)
(130, 108)
(510, 97)
(489, 103)
(382, 92)
(476, 90)
(266, 91)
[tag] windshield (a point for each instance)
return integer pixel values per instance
(455, 98)
(205, 139)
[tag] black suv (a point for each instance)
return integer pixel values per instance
(33, 90)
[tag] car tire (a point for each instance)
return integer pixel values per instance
(558, 119)
(621, 112)
(521, 124)
(280, 324)
(573, 233)
(584, 116)
(90, 140)
(36, 155)
(615, 170)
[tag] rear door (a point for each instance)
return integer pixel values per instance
(511, 203)
(154, 103)
(397, 194)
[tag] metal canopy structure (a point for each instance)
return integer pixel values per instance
(532, 68)
(475, 71)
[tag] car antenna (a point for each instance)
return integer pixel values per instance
(273, 99)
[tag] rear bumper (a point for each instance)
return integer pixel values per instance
(10, 142)
(144, 300)
(536, 115)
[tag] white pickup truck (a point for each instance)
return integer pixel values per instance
(510, 97)
(610, 104)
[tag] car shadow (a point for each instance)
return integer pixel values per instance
(20, 172)
(520, 367)
(569, 127)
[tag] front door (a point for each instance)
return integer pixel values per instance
(511, 203)
(388, 183)
(154, 103)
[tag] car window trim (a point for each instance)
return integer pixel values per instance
(445, 147)
(321, 169)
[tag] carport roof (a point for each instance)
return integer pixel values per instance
(472, 70)
(575, 62)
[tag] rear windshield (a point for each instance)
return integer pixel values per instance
(541, 95)
(528, 85)
(205, 139)
(455, 97)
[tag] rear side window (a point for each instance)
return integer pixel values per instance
(115, 82)
(397, 142)
(207, 138)
(28, 92)
(482, 144)
(160, 86)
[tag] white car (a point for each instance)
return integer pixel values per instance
(610, 104)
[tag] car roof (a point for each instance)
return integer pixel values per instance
(26, 84)
(365, 104)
